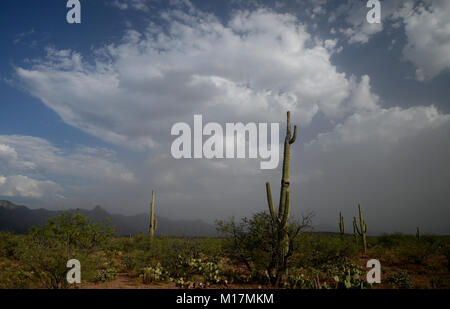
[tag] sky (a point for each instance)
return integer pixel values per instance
(86, 110)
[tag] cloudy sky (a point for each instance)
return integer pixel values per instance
(86, 109)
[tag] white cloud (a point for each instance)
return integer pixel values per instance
(382, 127)
(427, 28)
(35, 157)
(140, 5)
(354, 13)
(254, 67)
(363, 99)
(426, 25)
(23, 186)
(7, 153)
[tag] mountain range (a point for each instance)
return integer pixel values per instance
(18, 219)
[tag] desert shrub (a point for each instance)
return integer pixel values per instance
(210, 271)
(317, 250)
(75, 231)
(182, 283)
(129, 262)
(141, 241)
(400, 280)
(198, 272)
(47, 263)
(439, 283)
(252, 241)
(414, 253)
(152, 274)
(121, 244)
(447, 256)
(296, 279)
(392, 240)
(346, 274)
(8, 244)
(107, 274)
(46, 250)
(15, 277)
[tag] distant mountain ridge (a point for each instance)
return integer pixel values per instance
(18, 219)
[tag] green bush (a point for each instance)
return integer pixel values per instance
(400, 280)
(14, 277)
(251, 242)
(392, 240)
(318, 250)
(8, 244)
(46, 250)
(152, 274)
(104, 275)
(74, 231)
(414, 253)
(47, 263)
(347, 275)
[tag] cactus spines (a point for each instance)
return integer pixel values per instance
(153, 221)
(341, 225)
(280, 219)
(361, 231)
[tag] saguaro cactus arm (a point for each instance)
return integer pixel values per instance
(361, 231)
(294, 137)
(355, 226)
(341, 225)
(270, 202)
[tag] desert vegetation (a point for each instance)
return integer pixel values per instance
(242, 258)
(267, 250)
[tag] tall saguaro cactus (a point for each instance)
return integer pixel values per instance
(341, 225)
(280, 219)
(361, 231)
(153, 221)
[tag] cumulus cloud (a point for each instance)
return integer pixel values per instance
(356, 29)
(37, 154)
(255, 66)
(23, 186)
(35, 157)
(427, 28)
(384, 126)
(392, 161)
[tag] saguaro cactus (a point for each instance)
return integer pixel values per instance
(280, 219)
(361, 231)
(417, 233)
(341, 225)
(153, 221)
